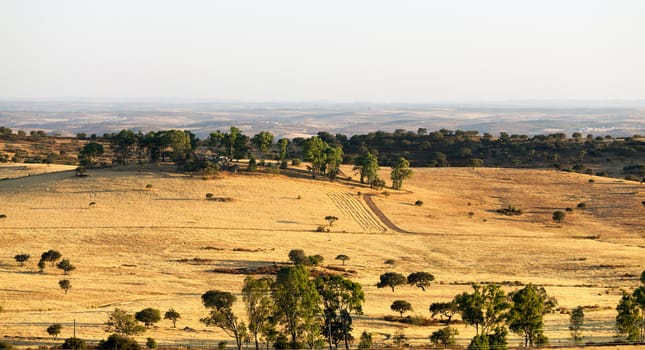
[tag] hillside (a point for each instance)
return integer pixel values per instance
(155, 246)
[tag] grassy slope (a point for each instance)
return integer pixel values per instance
(126, 246)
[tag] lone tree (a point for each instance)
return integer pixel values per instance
(530, 304)
(121, 322)
(447, 310)
(576, 320)
(558, 216)
(444, 336)
(401, 306)
(400, 171)
(173, 316)
(65, 285)
(391, 279)
(331, 219)
(420, 279)
(22, 258)
(367, 166)
(342, 257)
(66, 266)
(148, 316)
(54, 330)
(222, 315)
(50, 256)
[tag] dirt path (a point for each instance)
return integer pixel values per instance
(384, 219)
(352, 207)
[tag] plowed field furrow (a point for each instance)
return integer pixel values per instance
(355, 209)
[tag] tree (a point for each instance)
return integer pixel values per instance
(66, 266)
(54, 330)
(628, 318)
(447, 310)
(148, 316)
(401, 306)
(65, 285)
(297, 305)
(298, 257)
(173, 316)
(340, 298)
(485, 309)
(121, 322)
(558, 216)
(256, 294)
(391, 279)
(41, 265)
(282, 146)
(151, 343)
(400, 171)
(527, 312)
(50, 256)
(368, 168)
(73, 344)
(576, 320)
(90, 151)
(444, 336)
(366, 341)
(331, 219)
(420, 279)
(342, 257)
(120, 342)
(222, 315)
(122, 145)
(262, 141)
(22, 258)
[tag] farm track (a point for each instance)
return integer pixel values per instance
(352, 207)
(370, 203)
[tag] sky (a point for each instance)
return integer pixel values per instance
(343, 51)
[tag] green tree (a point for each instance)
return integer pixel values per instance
(65, 285)
(21, 259)
(90, 151)
(118, 342)
(342, 257)
(367, 166)
(526, 314)
(485, 309)
(222, 315)
(400, 171)
(262, 141)
(341, 298)
(576, 321)
(66, 266)
(558, 216)
(298, 257)
(121, 322)
(391, 279)
(51, 256)
(639, 297)
(365, 341)
(282, 146)
(54, 330)
(122, 145)
(444, 336)
(73, 344)
(173, 316)
(447, 310)
(148, 316)
(297, 304)
(401, 306)
(256, 294)
(628, 318)
(420, 279)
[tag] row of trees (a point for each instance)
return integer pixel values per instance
(630, 320)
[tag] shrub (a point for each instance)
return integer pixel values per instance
(568, 210)
(510, 210)
(5, 345)
(74, 344)
(148, 187)
(322, 229)
(315, 260)
(209, 195)
(591, 180)
(582, 205)
(558, 216)
(3, 216)
(118, 342)
(295, 161)
(151, 343)
(418, 203)
(389, 262)
(471, 214)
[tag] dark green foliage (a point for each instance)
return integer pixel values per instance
(123, 323)
(65, 285)
(342, 257)
(525, 317)
(222, 315)
(151, 343)
(444, 336)
(365, 341)
(298, 256)
(331, 219)
(510, 210)
(367, 166)
(391, 279)
(315, 260)
(253, 165)
(173, 316)
(418, 203)
(259, 306)
(447, 310)
(485, 309)
(22, 258)
(576, 321)
(89, 152)
(148, 316)
(558, 216)
(73, 344)
(400, 171)
(50, 256)
(628, 318)
(420, 279)
(401, 306)
(479, 342)
(582, 205)
(66, 266)
(341, 298)
(54, 330)
(118, 342)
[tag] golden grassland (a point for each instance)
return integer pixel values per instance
(129, 244)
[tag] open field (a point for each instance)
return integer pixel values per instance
(134, 247)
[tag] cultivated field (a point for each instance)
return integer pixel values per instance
(135, 246)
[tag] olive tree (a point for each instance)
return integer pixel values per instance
(401, 306)
(65, 285)
(66, 266)
(54, 330)
(391, 279)
(420, 279)
(21, 259)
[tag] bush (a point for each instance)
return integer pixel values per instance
(3, 216)
(418, 203)
(118, 342)
(209, 195)
(5, 345)
(558, 216)
(295, 161)
(389, 262)
(74, 343)
(151, 343)
(510, 210)
(568, 210)
(582, 205)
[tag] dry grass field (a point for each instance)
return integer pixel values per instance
(134, 247)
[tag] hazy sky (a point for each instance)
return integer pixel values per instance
(280, 50)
